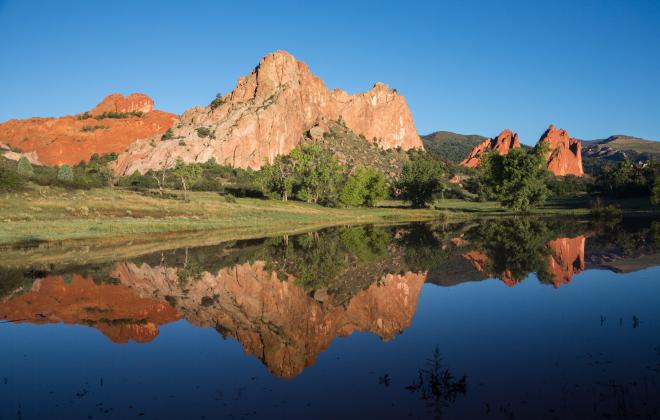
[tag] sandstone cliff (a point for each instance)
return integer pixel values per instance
(70, 139)
(565, 155)
(266, 115)
(501, 144)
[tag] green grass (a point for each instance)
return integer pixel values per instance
(54, 214)
(47, 225)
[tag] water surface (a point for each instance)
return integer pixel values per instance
(519, 318)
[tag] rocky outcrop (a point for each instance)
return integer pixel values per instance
(567, 259)
(266, 115)
(7, 152)
(114, 310)
(116, 102)
(501, 144)
(271, 316)
(70, 139)
(565, 154)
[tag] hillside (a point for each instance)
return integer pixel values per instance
(603, 152)
(113, 124)
(450, 146)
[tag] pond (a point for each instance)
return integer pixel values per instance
(502, 318)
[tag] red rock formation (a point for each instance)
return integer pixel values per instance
(116, 102)
(275, 320)
(114, 310)
(565, 154)
(57, 141)
(567, 259)
(501, 144)
(267, 113)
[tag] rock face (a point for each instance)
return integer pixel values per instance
(114, 310)
(565, 155)
(69, 139)
(8, 153)
(501, 144)
(273, 318)
(116, 102)
(266, 115)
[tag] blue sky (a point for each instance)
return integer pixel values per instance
(592, 67)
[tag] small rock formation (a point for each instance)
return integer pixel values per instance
(266, 115)
(116, 102)
(565, 154)
(8, 153)
(114, 310)
(70, 139)
(501, 144)
(567, 259)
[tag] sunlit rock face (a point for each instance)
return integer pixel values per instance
(266, 115)
(565, 154)
(114, 310)
(116, 102)
(567, 259)
(68, 139)
(273, 318)
(501, 144)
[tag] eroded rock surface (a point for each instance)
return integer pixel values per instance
(565, 154)
(501, 144)
(70, 139)
(266, 115)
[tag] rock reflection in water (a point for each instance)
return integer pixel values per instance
(286, 299)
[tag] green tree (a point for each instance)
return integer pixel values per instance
(517, 179)
(187, 175)
(366, 187)
(655, 191)
(24, 167)
(419, 180)
(65, 173)
(317, 174)
(515, 248)
(278, 178)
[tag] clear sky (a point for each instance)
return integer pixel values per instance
(592, 67)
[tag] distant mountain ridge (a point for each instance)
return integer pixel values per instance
(451, 146)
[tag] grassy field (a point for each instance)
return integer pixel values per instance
(53, 214)
(52, 225)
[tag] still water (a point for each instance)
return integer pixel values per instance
(494, 319)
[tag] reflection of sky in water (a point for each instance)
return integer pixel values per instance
(530, 346)
(529, 350)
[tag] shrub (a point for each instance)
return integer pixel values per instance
(24, 167)
(203, 132)
(217, 101)
(168, 135)
(92, 128)
(10, 180)
(65, 174)
(366, 187)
